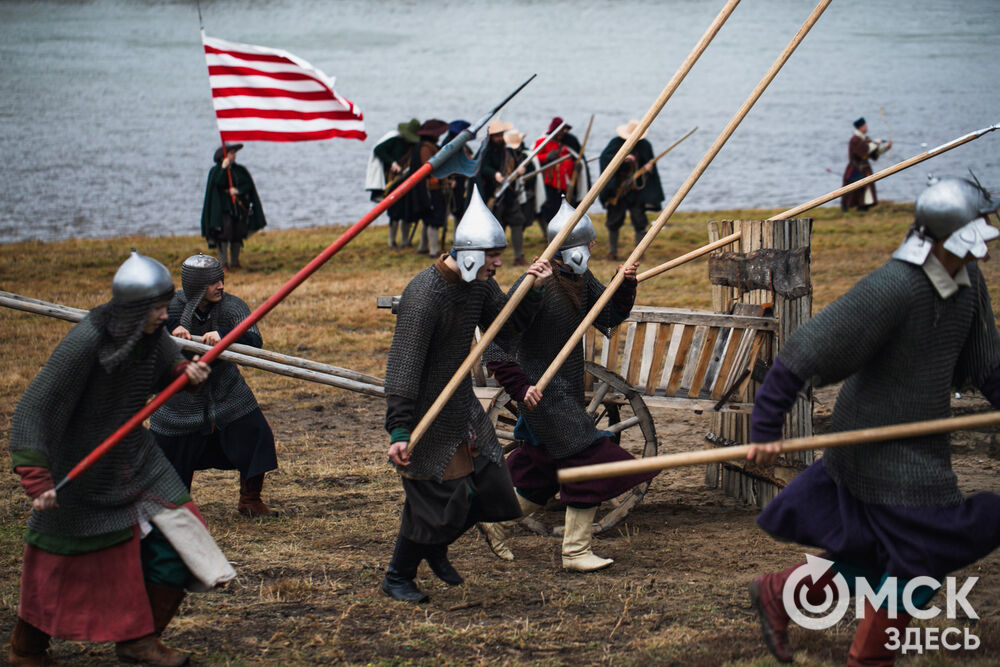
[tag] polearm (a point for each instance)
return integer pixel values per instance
(550, 165)
(512, 175)
(640, 249)
(739, 452)
(529, 280)
(578, 167)
(627, 185)
(888, 171)
(447, 161)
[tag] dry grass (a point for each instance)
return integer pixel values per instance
(307, 592)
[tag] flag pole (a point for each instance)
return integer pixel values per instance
(818, 201)
(640, 249)
(437, 162)
(529, 280)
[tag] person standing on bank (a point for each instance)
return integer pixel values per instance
(435, 215)
(455, 476)
(393, 153)
(101, 561)
(499, 163)
(555, 429)
(221, 426)
(860, 151)
(901, 340)
(627, 192)
(232, 209)
(557, 178)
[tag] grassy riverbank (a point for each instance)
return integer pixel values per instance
(307, 592)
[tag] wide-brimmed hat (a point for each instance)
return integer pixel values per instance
(219, 153)
(433, 128)
(498, 127)
(625, 131)
(556, 122)
(409, 129)
(457, 126)
(513, 138)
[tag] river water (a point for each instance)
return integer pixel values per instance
(108, 128)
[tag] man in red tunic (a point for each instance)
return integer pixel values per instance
(860, 150)
(558, 177)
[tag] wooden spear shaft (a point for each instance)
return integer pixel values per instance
(580, 165)
(739, 452)
(819, 201)
(640, 249)
(529, 280)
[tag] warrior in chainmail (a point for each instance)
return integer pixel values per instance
(221, 426)
(556, 431)
(901, 340)
(95, 568)
(455, 476)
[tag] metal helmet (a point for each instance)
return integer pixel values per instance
(477, 232)
(197, 273)
(141, 278)
(952, 211)
(575, 248)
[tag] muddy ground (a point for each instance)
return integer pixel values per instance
(308, 591)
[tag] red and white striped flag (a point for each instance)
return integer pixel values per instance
(263, 94)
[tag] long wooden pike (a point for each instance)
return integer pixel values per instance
(739, 452)
(577, 168)
(640, 249)
(819, 201)
(444, 162)
(502, 188)
(554, 245)
(646, 168)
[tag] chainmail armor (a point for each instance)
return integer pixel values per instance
(902, 349)
(72, 406)
(226, 396)
(434, 331)
(560, 420)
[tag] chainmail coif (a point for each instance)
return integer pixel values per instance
(902, 349)
(560, 420)
(73, 405)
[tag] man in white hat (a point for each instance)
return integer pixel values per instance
(455, 476)
(629, 192)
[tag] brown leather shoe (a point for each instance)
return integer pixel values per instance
(250, 504)
(773, 618)
(29, 646)
(149, 650)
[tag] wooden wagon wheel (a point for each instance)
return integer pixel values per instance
(619, 408)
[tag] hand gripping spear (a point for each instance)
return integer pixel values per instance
(449, 160)
(554, 245)
(802, 208)
(602, 301)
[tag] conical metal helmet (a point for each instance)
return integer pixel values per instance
(951, 203)
(477, 232)
(575, 248)
(141, 278)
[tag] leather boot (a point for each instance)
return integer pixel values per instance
(250, 503)
(766, 598)
(28, 646)
(577, 537)
(436, 556)
(164, 601)
(393, 230)
(496, 533)
(868, 648)
(398, 582)
(612, 244)
(149, 650)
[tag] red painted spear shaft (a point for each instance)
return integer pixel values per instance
(438, 161)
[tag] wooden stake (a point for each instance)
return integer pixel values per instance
(640, 249)
(515, 299)
(739, 452)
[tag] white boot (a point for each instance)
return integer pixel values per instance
(496, 533)
(577, 536)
